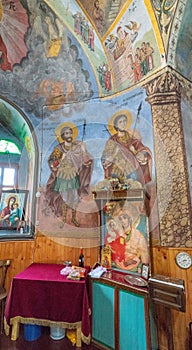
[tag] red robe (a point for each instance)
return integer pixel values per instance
(114, 143)
(4, 63)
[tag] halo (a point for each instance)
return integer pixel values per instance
(65, 125)
(12, 196)
(130, 209)
(111, 120)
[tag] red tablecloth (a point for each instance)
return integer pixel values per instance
(41, 293)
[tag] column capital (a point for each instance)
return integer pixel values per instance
(165, 88)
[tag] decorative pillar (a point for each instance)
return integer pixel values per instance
(173, 195)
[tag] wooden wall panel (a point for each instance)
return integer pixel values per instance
(60, 249)
(164, 264)
(46, 249)
(21, 255)
(160, 260)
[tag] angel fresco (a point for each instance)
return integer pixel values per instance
(13, 27)
(134, 27)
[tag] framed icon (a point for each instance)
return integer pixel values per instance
(145, 271)
(12, 208)
(106, 257)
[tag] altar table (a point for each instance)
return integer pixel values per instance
(41, 295)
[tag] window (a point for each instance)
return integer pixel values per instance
(8, 176)
(9, 147)
(8, 170)
(19, 158)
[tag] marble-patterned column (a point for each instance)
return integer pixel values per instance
(173, 195)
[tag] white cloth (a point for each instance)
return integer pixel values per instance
(66, 270)
(97, 272)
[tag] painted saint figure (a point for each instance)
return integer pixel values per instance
(129, 245)
(114, 238)
(124, 155)
(14, 215)
(71, 169)
(136, 248)
(98, 16)
(6, 211)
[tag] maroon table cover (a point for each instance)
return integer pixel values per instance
(41, 292)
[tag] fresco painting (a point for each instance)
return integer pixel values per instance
(71, 168)
(14, 26)
(103, 13)
(97, 96)
(132, 51)
(183, 50)
(79, 68)
(53, 76)
(47, 43)
(91, 143)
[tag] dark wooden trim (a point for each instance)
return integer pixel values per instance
(147, 323)
(116, 317)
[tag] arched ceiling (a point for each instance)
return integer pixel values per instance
(164, 24)
(55, 52)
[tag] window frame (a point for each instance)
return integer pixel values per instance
(3, 166)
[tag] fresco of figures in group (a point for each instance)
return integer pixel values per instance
(45, 64)
(83, 157)
(63, 72)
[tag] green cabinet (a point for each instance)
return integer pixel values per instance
(132, 323)
(121, 316)
(103, 330)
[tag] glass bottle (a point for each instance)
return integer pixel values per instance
(81, 258)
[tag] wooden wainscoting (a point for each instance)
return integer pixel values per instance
(47, 249)
(58, 249)
(163, 262)
(21, 255)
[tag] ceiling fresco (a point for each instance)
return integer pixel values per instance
(54, 37)
(53, 53)
(164, 10)
(14, 24)
(103, 14)
(116, 50)
(59, 64)
(154, 24)
(183, 56)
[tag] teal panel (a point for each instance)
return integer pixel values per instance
(103, 315)
(132, 321)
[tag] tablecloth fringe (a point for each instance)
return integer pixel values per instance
(85, 339)
(43, 322)
(6, 327)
